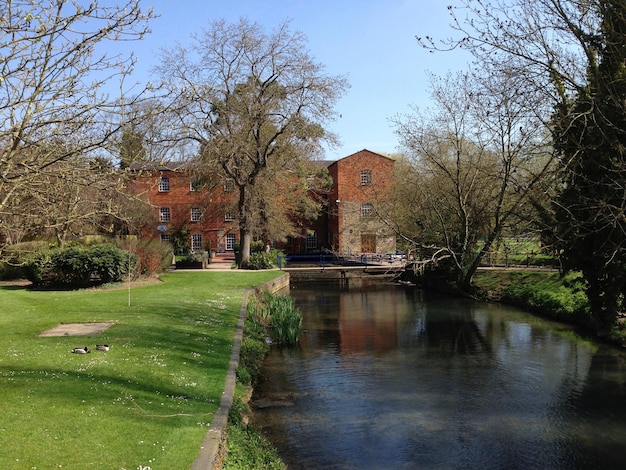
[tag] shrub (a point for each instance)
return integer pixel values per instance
(79, 266)
(110, 263)
(250, 359)
(260, 260)
(153, 256)
(257, 246)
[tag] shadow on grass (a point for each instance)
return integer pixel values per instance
(12, 287)
(66, 390)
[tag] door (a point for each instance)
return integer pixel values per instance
(368, 243)
(231, 239)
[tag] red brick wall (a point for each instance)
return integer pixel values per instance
(348, 180)
(345, 226)
(338, 227)
(180, 199)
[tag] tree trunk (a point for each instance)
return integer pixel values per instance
(245, 224)
(244, 248)
(465, 283)
(603, 293)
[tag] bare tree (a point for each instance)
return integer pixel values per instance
(571, 52)
(54, 100)
(250, 98)
(79, 197)
(548, 43)
(473, 162)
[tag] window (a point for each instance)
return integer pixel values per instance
(164, 185)
(194, 183)
(366, 210)
(196, 213)
(311, 240)
(229, 185)
(166, 238)
(366, 177)
(231, 238)
(229, 217)
(196, 242)
(164, 214)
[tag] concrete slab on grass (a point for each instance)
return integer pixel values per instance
(78, 329)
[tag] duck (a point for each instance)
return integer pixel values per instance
(84, 350)
(102, 347)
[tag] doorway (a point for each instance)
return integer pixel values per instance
(368, 243)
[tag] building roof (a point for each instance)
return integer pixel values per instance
(178, 165)
(158, 166)
(361, 151)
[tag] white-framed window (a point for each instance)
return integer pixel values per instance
(194, 183)
(196, 242)
(196, 214)
(231, 239)
(164, 184)
(366, 210)
(229, 185)
(366, 177)
(311, 240)
(164, 214)
(166, 237)
(229, 217)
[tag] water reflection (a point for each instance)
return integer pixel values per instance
(386, 378)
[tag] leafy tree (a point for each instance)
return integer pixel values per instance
(590, 133)
(286, 198)
(252, 101)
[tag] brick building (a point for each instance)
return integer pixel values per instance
(359, 200)
(349, 223)
(207, 213)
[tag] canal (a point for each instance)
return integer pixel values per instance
(388, 377)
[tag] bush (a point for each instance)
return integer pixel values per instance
(16, 256)
(79, 265)
(250, 360)
(153, 256)
(260, 260)
(257, 246)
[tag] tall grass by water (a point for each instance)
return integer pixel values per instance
(277, 316)
(146, 402)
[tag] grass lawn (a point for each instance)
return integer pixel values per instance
(145, 403)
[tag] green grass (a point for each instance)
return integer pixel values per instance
(518, 251)
(147, 402)
(545, 292)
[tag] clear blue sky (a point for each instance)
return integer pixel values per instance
(371, 42)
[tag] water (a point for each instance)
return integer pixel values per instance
(388, 378)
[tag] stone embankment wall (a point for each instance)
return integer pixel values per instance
(274, 285)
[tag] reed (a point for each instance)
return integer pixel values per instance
(285, 321)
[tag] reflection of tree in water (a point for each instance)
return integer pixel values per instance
(600, 407)
(454, 330)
